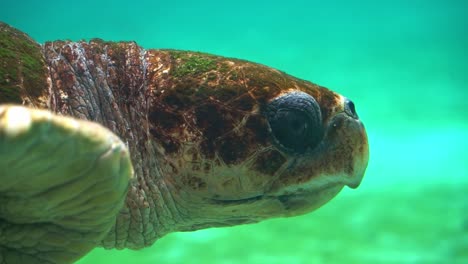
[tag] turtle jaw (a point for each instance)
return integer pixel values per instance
(356, 134)
(306, 201)
(351, 150)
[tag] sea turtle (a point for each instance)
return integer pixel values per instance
(192, 141)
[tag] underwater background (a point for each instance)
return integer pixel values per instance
(403, 63)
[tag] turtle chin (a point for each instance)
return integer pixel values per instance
(307, 201)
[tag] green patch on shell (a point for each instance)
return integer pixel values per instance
(22, 68)
(192, 63)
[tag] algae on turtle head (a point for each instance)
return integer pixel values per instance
(213, 141)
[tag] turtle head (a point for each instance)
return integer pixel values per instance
(240, 142)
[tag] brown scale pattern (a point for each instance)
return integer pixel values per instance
(210, 104)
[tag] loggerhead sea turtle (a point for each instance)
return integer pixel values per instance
(192, 141)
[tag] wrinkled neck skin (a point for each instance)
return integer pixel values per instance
(112, 83)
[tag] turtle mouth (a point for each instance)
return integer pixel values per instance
(309, 189)
(284, 204)
(284, 197)
(305, 201)
(248, 200)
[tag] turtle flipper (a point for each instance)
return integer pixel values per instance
(62, 183)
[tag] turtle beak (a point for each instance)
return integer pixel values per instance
(361, 145)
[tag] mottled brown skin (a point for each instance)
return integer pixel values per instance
(202, 150)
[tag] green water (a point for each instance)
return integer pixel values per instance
(404, 64)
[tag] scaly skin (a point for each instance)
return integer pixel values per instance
(196, 127)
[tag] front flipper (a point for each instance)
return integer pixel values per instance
(62, 183)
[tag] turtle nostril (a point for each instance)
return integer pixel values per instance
(350, 109)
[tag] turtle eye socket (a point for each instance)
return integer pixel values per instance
(295, 121)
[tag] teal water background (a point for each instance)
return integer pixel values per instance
(403, 63)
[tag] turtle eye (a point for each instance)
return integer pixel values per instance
(295, 121)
